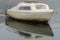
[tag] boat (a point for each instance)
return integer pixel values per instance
(27, 10)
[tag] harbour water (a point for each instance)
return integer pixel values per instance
(55, 22)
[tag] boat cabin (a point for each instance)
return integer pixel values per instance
(31, 7)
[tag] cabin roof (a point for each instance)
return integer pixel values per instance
(26, 3)
(30, 1)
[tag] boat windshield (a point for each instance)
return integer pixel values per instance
(40, 7)
(25, 8)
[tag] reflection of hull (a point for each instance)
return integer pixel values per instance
(34, 29)
(40, 16)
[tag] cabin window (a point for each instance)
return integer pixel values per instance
(40, 7)
(24, 8)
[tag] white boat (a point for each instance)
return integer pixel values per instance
(31, 11)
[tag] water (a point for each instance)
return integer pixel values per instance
(54, 4)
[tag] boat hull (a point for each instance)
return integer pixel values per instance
(39, 16)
